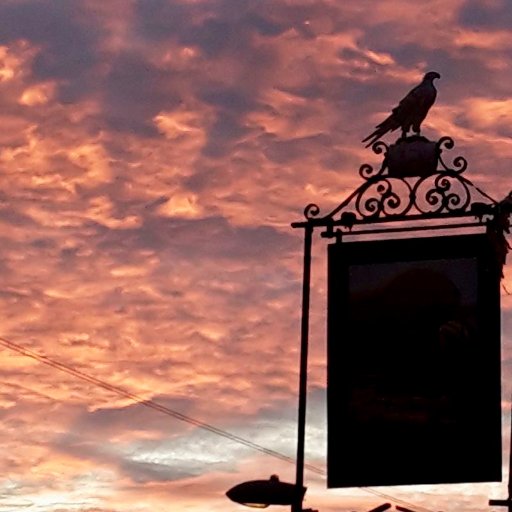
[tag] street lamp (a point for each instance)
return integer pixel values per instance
(262, 493)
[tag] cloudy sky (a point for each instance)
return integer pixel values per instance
(153, 154)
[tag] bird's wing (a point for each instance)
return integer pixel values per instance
(413, 101)
(417, 100)
(412, 109)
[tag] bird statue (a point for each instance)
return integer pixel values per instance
(410, 112)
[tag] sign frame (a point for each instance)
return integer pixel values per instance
(432, 434)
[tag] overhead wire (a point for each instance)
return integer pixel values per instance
(151, 404)
(148, 403)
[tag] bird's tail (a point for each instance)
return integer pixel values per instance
(374, 137)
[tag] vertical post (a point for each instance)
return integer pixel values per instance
(509, 486)
(508, 502)
(303, 370)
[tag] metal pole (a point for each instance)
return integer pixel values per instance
(510, 460)
(303, 371)
(508, 502)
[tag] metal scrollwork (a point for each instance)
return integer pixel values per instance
(379, 147)
(311, 211)
(383, 197)
(441, 193)
(460, 164)
(413, 180)
(447, 142)
(366, 171)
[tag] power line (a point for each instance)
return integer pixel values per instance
(151, 404)
(148, 403)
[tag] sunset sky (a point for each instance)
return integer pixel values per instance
(153, 154)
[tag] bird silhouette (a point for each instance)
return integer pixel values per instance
(410, 112)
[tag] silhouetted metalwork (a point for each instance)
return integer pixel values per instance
(410, 322)
(508, 502)
(262, 493)
(381, 508)
(410, 112)
(414, 182)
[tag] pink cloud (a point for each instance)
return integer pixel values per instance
(153, 156)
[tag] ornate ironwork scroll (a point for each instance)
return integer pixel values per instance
(414, 180)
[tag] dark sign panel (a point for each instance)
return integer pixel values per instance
(414, 362)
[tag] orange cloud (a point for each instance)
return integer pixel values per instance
(153, 156)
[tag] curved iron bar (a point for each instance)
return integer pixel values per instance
(442, 196)
(382, 199)
(366, 171)
(460, 164)
(380, 147)
(311, 211)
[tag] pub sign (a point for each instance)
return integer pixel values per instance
(414, 361)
